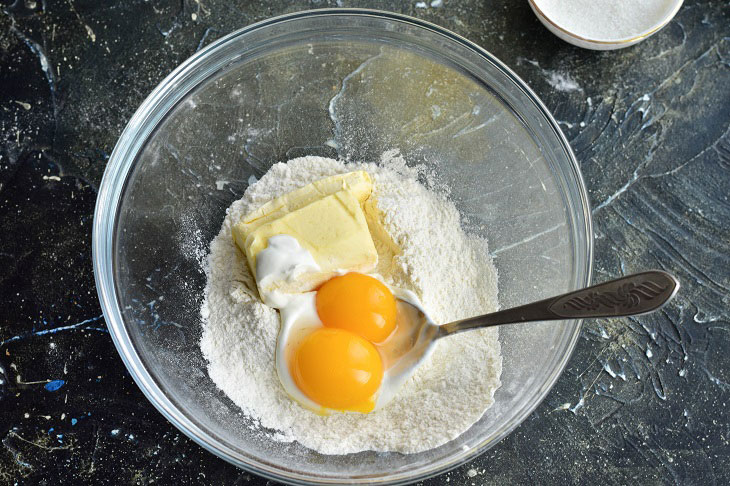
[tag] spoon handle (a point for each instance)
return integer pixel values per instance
(626, 296)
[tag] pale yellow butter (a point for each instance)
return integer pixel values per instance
(358, 183)
(326, 218)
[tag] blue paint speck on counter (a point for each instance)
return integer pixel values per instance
(54, 385)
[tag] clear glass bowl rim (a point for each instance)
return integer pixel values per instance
(109, 197)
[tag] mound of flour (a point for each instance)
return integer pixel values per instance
(449, 270)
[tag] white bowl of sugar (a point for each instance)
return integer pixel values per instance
(604, 24)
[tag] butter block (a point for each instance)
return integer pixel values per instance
(326, 218)
(358, 183)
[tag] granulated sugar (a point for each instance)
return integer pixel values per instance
(449, 270)
(606, 20)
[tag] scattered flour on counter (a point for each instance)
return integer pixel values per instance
(448, 269)
(562, 82)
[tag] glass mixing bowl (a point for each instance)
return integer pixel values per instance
(348, 84)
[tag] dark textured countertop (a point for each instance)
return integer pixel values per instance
(643, 400)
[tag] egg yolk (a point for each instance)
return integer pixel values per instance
(357, 303)
(338, 370)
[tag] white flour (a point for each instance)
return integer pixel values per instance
(606, 19)
(449, 270)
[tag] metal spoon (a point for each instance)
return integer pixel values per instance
(632, 295)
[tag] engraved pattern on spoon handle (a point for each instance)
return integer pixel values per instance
(626, 296)
(636, 294)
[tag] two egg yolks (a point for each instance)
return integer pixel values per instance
(338, 366)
